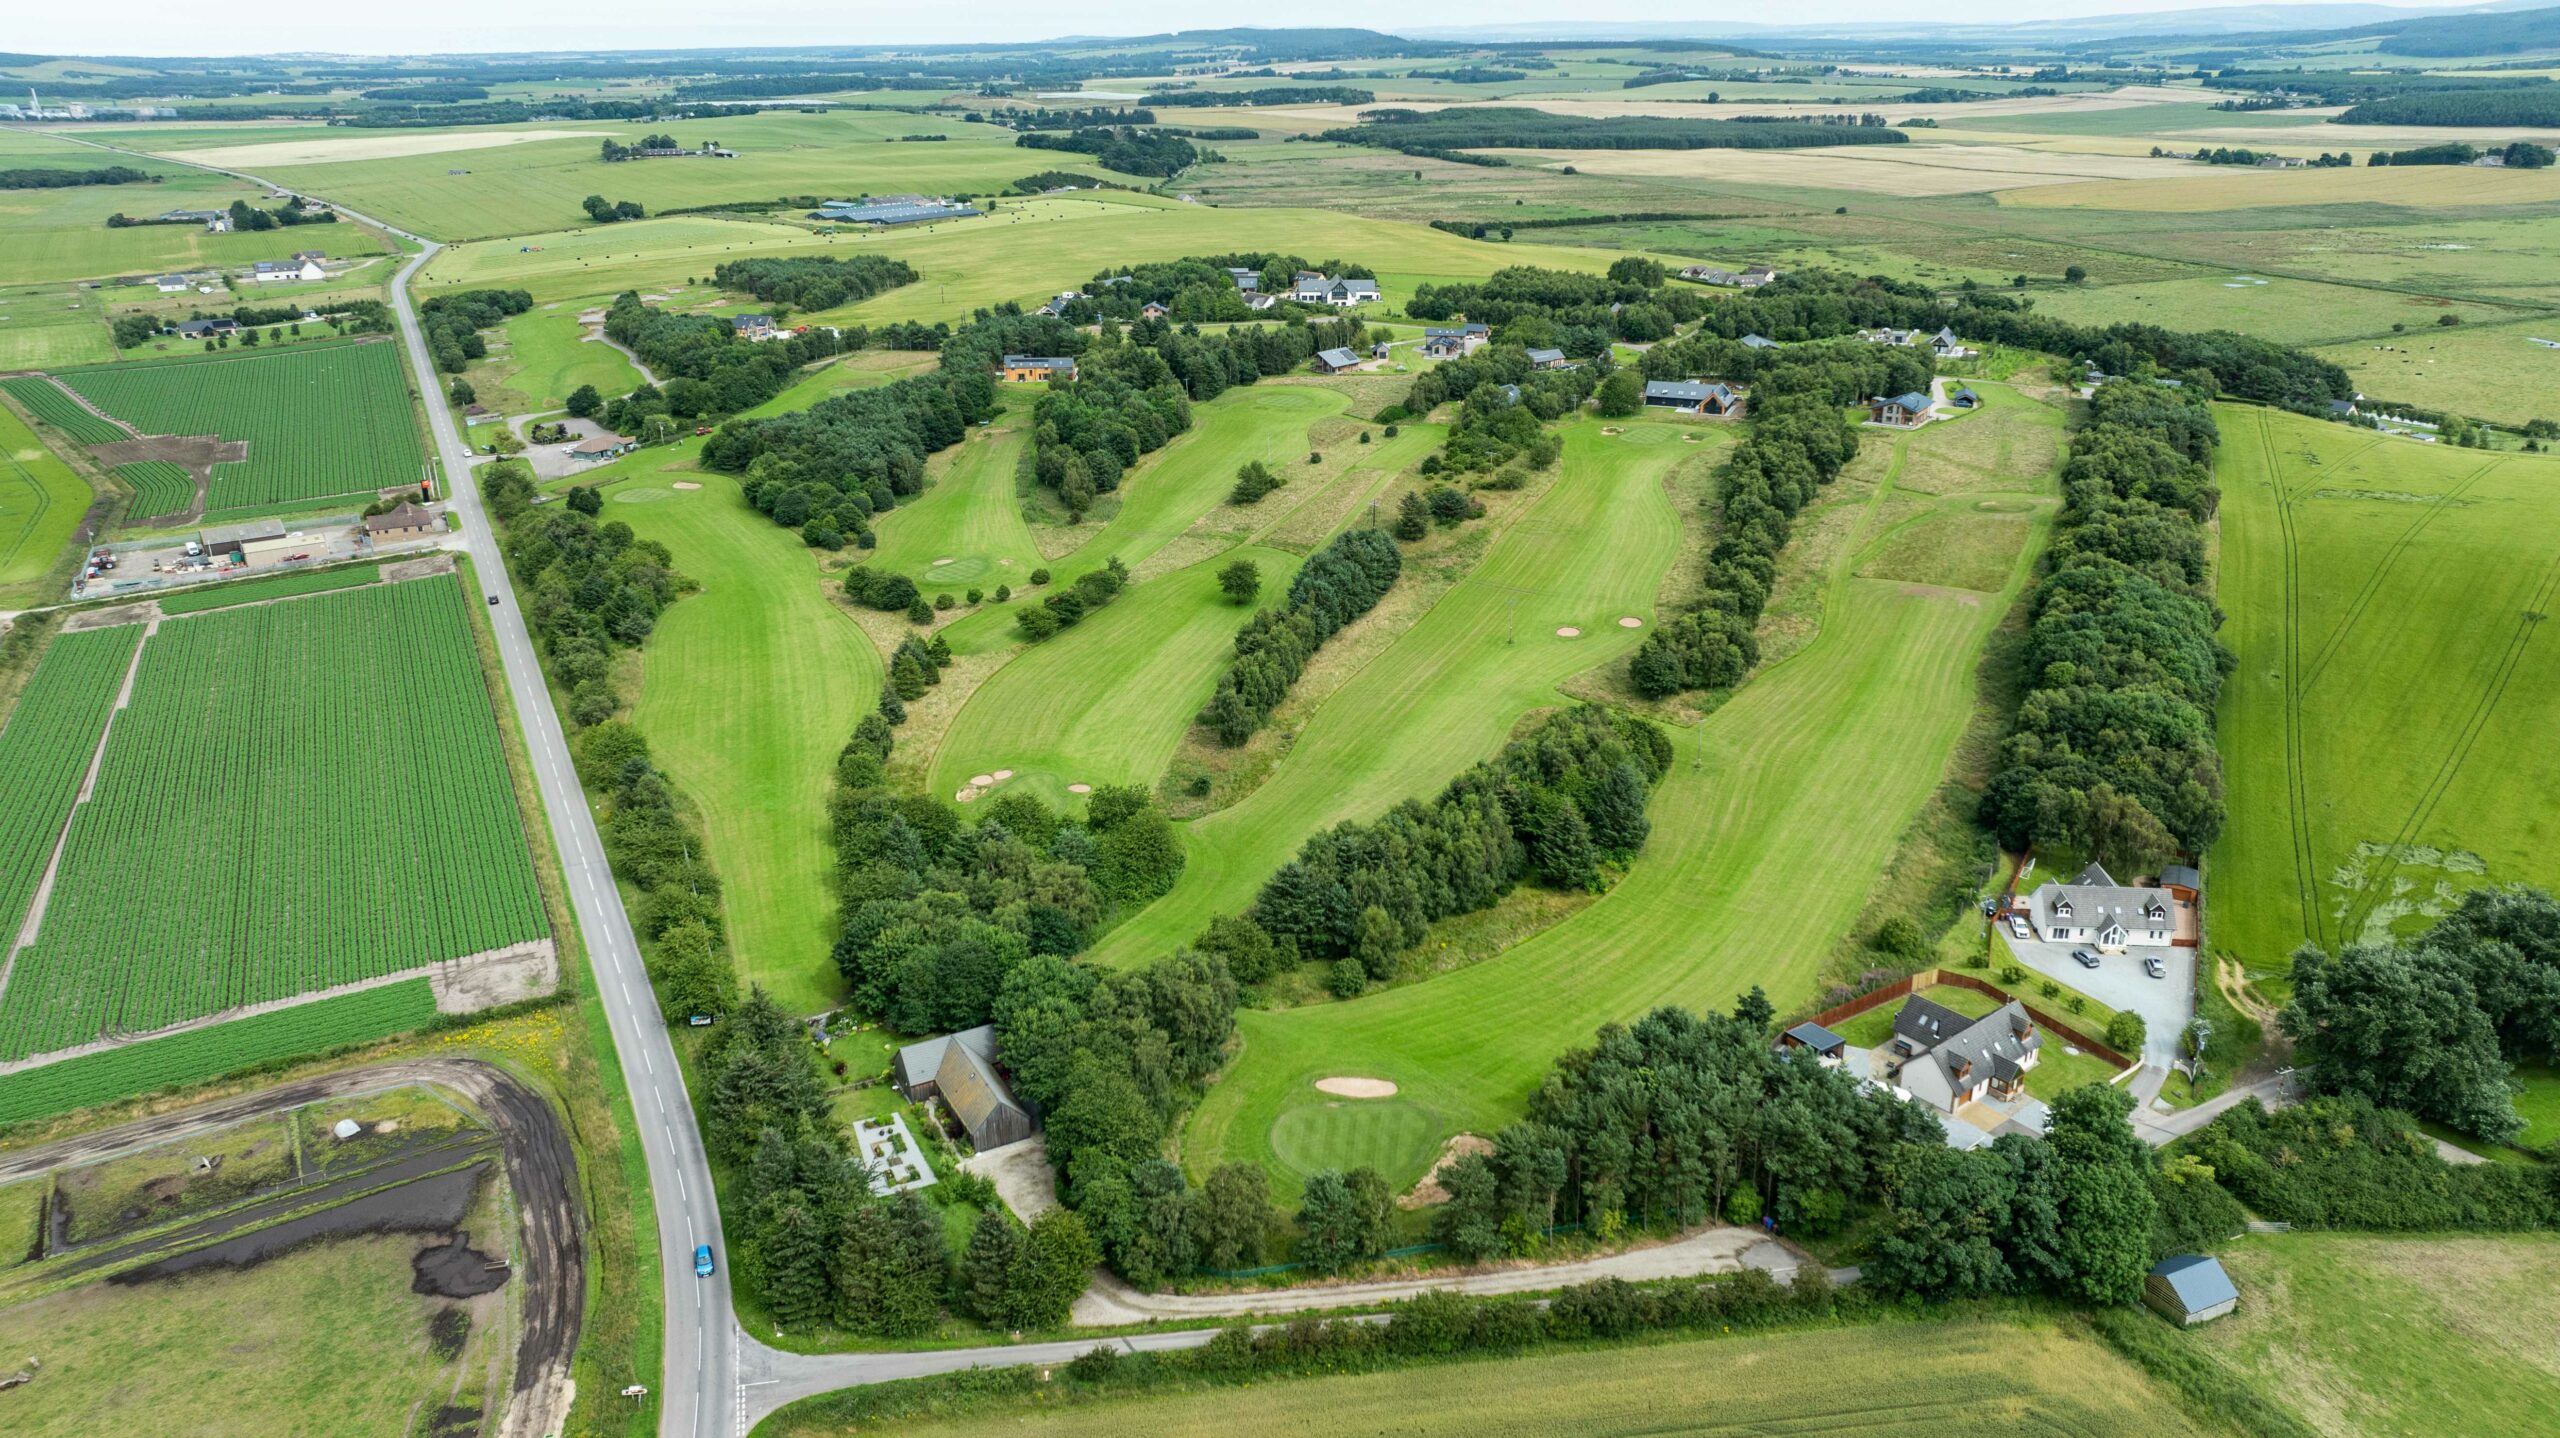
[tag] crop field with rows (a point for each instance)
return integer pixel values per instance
(299, 796)
(44, 750)
(283, 586)
(159, 487)
(320, 420)
(46, 401)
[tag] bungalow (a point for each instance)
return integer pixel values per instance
(1246, 280)
(1257, 300)
(172, 284)
(1549, 359)
(603, 446)
(1316, 289)
(1945, 345)
(1904, 411)
(1455, 343)
(407, 521)
(1337, 360)
(2342, 409)
(301, 267)
(2094, 909)
(1947, 1060)
(1826, 1047)
(207, 329)
(1758, 342)
(1020, 369)
(751, 327)
(962, 1070)
(2190, 1289)
(1710, 275)
(1154, 311)
(1700, 397)
(1965, 399)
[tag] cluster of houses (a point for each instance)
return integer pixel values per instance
(1749, 278)
(886, 210)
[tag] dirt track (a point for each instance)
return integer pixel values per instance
(541, 1168)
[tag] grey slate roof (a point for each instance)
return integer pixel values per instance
(2197, 1279)
(2095, 899)
(1038, 362)
(906, 213)
(1543, 356)
(1758, 342)
(1337, 358)
(2182, 876)
(1914, 401)
(1686, 391)
(1814, 1036)
(1957, 1051)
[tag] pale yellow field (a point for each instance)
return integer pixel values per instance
(2126, 97)
(1918, 169)
(2360, 138)
(338, 145)
(2199, 189)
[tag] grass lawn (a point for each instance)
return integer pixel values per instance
(41, 501)
(2496, 372)
(327, 1340)
(21, 1220)
(2382, 733)
(750, 689)
(548, 356)
(1780, 809)
(2538, 1105)
(967, 529)
(1888, 1379)
(2387, 1336)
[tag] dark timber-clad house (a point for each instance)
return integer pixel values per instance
(1701, 397)
(961, 1070)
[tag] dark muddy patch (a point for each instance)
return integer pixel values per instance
(453, 1421)
(427, 1205)
(448, 1329)
(457, 1270)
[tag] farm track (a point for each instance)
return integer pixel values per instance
(541, 1168)
(2297, 783)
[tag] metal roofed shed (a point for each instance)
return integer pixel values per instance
(2190, 1289)
(221, 537)
(903, 212)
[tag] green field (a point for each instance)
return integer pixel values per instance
(298, 796)
(2382, 734)
(318, 421)
(2289, 311)
(159, 488)
(2368, 1337)
(1915, 1379)
(46, 401)
(282, 586)
(44, 753)
(2496, 373)
(41, 502)
(1781, 809)
(751, 688)
(546, 357)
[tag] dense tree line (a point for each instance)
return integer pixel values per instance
(2113, 752)
(1067, 607)
(2525, 107)
(589, 588)
(1341, 582)
(1129, 150)
(430, 93)
(814, 282)
(453, 323)
(1555, 806)
(656, 850)
(1503, 127)
(2339, 1161)
(1263, 95)
(1798, 443)
(2519, 154)
(2433, 1025)
(1503, 399)
(44, 178)
(1562, 309)
(1678, 1118)
(937, 911)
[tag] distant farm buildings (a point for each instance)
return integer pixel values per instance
(892, 210)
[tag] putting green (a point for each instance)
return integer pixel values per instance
(1448, 692)
(751, 687)
(1107, 701)
(1779, 812)
(1395, 1136)
(642, 494)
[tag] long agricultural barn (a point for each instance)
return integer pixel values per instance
(961, 1070)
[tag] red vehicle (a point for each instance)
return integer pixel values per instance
(702, 429)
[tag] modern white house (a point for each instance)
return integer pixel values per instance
(2094, 909)
(1315, 289)
(303, 266)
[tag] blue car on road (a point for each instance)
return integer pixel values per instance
(702, 1261)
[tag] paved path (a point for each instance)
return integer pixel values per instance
(2158, 1128)
(697, 1389)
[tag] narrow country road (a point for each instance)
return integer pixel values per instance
(698, 1388)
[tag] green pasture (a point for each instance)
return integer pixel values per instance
(53, 326)
(2369, 1336)
(2382, 734)
(1591, 552)
(526, 188)
(41, 501)
(2495, 373)
(547, 356)
(1108, 701)
(751, 687)
(2285, 310)
(1780, 810)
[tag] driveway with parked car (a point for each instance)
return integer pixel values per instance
(2119, 982)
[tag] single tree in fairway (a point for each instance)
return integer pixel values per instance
(584, 401)
(1241, 581)
(1621, 394)
(1413, 516)
(1253, 481)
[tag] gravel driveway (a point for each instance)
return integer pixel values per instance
(2119, 982)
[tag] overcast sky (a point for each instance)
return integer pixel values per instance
(191, 27)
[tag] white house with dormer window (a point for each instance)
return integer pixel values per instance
(2094, 909)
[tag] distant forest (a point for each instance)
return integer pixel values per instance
(2535, 106)
(1478, 127)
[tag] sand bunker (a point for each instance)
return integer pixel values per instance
(1079, 788)
(687, 484)
(981, 781)
(968, 793)
(1629, 621)
(946, 559)
(1003, 774)
(1356, 1087)
(1568, 632)
(1429, 1191)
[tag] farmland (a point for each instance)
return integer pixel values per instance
(46, 401)
(282, 586)
(365, 826)
(318, 421)
(159, 487)
(1888, 1379)
(41, 502)
(2381, 730)
(46, 745)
